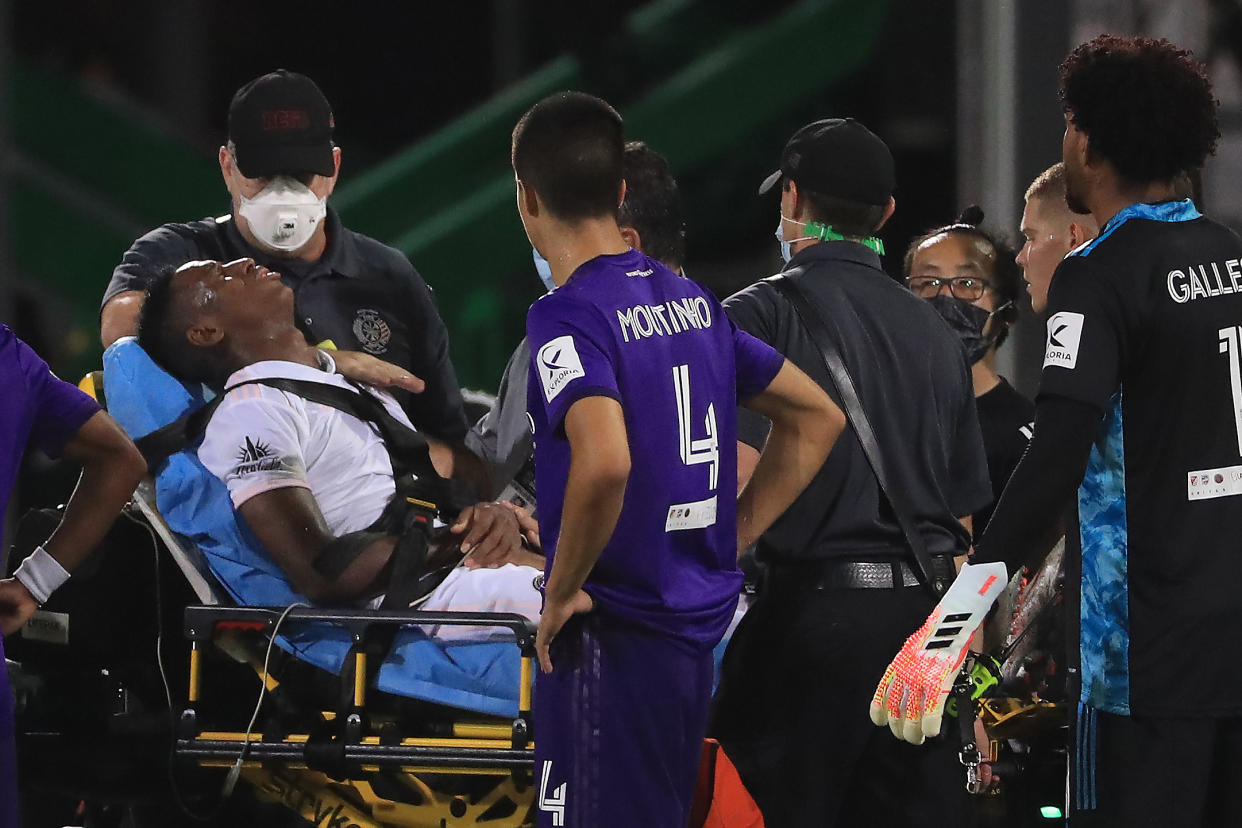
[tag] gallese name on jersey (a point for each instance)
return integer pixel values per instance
(672, 317)
(1064, 335)
(1203, 281)
(558, 364)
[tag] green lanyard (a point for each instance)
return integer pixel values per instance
(825, 233)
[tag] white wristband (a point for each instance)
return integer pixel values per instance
(41, 574)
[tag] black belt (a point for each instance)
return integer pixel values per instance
(836, 573)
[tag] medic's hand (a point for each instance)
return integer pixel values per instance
(490, 535)
(911, 696)
(368, 370)
(554, 616)
(16, 605)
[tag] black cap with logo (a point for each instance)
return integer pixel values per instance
(280, 123)
(838, 157)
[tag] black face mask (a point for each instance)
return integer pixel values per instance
(968, 322)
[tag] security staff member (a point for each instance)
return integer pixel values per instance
(280, 165)
(842, 594)
(1140, 410)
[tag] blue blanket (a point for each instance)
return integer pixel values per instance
(477, 676)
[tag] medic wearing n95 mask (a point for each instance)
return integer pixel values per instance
(280, 164)
(351, 292)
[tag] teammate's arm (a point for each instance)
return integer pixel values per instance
(111, 469)
(1027, 520)
(805, 425)
(1087, 336)
(599, 469)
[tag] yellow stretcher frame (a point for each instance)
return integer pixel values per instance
(279, 771)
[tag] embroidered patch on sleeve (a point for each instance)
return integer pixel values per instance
(1064, 334)
(559, 364)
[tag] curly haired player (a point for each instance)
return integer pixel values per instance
(1140, 410)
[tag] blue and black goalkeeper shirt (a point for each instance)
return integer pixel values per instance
(1146, 325)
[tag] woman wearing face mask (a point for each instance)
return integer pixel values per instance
(970, 277)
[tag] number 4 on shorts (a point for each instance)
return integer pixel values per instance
(554, 804)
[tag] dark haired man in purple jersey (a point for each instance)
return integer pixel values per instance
(634, 378)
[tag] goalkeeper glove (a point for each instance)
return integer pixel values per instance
(911, 696)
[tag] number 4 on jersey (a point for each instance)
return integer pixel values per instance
(706, 449)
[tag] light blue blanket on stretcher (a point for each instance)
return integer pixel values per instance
(478, 676)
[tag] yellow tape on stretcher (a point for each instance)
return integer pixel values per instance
(360, 678)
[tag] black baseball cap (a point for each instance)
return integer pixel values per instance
(280, 123)
(838, 157)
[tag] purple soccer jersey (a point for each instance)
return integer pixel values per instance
(625, 326)
(34, 406)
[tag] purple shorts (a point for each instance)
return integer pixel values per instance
(8, 752)
(619, 726)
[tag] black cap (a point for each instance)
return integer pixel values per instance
(280, 123)
(838, 157)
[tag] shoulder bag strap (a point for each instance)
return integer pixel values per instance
(816, 325)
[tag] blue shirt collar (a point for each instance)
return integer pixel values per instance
(1167, 211)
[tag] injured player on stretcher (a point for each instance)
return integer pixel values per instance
(314, 481)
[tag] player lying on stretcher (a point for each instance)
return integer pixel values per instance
(315, 480)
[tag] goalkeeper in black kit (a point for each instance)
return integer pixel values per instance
(1139, 417)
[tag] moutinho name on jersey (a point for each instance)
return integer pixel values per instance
(672, 317)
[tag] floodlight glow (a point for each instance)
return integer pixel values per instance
(1050, 812)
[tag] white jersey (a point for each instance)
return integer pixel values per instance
(261, 438)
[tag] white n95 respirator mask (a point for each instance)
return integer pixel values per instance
(284, 214)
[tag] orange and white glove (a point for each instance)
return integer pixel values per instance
(910, 698)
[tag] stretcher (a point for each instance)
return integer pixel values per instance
(365, 718)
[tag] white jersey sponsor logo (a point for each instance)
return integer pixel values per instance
(553, 803)
(255, 456)
(1064, 335)
(558, 365)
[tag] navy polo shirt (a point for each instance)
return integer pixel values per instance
(361, 294)
(913, 381)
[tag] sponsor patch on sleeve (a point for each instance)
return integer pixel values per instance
(1064, 334)
(559, 364)
(254, 456)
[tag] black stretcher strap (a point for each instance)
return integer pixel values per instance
(420, 491)
(181, 433)
(817, 325)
